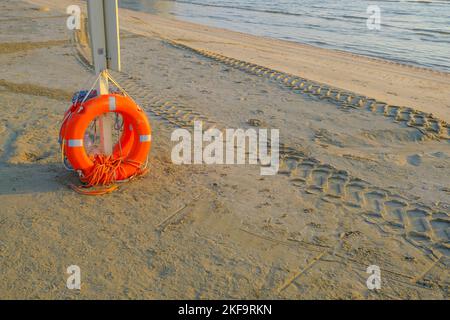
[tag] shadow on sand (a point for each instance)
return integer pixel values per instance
(34, 178)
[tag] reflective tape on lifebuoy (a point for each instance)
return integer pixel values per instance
(135, 142)
(122, 148)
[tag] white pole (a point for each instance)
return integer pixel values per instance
(96, 16)
(111, 10)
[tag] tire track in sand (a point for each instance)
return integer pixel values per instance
(424, 226)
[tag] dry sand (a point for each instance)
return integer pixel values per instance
(355, 188)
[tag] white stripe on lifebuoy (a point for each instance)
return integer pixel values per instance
(75, 143)
(145, 138)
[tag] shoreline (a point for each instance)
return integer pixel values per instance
(376, 78)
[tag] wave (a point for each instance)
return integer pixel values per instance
(442, 32)
(252, 9)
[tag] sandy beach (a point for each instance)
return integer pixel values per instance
(363, 178)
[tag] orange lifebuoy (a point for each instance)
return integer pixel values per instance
(134, 145)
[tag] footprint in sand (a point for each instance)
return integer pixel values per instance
(440, 155)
